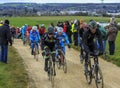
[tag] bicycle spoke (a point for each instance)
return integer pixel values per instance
(88, 72)
(99, 78)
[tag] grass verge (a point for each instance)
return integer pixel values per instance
(13, 74)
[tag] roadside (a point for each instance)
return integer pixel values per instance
(13, 74)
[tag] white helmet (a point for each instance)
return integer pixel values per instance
(1, 22)
(59, 29)
(34, 28)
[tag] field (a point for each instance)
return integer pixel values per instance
(20, 21)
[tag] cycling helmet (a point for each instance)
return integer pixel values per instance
(59, 29)
(1, 22)
(92, 25)
(34, 28)
(50, 30)
(42, 26)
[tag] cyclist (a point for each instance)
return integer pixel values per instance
(62, 39)
(29, 28)
(34, 37)
(23, 31)
(48, 40)
(89, 45)
(42, 31)
(84, 27)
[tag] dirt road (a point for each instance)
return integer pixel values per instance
(73, 79)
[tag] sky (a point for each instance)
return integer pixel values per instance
(61, 1)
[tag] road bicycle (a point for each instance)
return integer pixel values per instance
(35, 51)
(61, 59)
(93, 71)
(51, 67)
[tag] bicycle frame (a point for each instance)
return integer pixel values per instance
(94, 71)
(35, 51)
(51, 66)
(62, 60)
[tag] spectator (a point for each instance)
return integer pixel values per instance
(104, 38)
(18, 33)
(5, 37)
(111, 34)
(13, 32)
(113, 21)
(52, 25)
(42, 30)
(75, 29)
(64, 27)
(68, 31)
(29, 28)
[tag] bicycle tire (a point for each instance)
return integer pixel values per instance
(35, 52)
(58, 63)
(99, 78)
(51, 71)
(64, 63)
(88, 74)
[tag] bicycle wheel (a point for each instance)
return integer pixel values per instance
(58, 62)
(64, 63)
(51, 71)
(52, 75)
(25, 41)
(98, 77)
(36, 53)
(88, 72)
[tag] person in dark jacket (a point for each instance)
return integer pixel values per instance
(49, 41)
(89, 41)
(111, 35)
(68, 31)
(5, 37)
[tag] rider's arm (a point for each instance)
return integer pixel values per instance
(66, 39)
(85, 40)
(38, 35)
(31, 35)
(99, 35)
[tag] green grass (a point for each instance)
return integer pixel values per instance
(19, 21)
(13, 74)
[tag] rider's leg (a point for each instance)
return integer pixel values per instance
(86, 63)
(32, 48)
(64, 50)
(37, 46)
(81, 53)
(46, 64)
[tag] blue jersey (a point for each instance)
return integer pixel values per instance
(23, 30)
(63, 39)
(34, 36)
